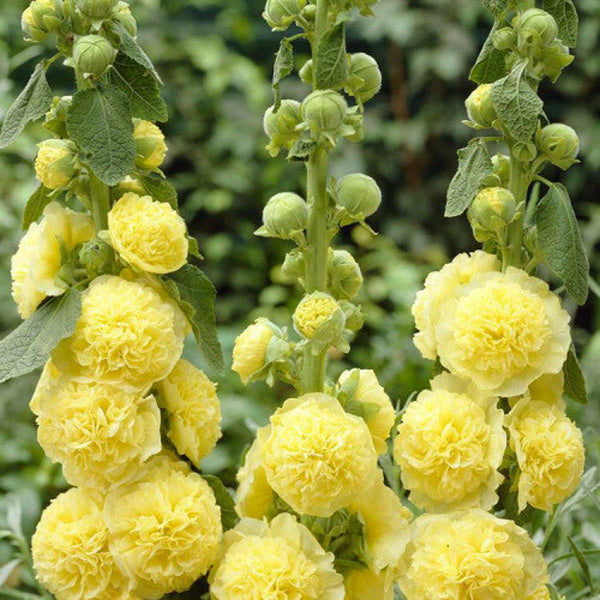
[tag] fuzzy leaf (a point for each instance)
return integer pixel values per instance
(35, 206)
(28, 347)
(229, 517)
(138, 84)
(565, 15)
(496, 7)
(160, 189)
(300, 150)
(131, 48)
(284, 64)
(196, 295)
(516, 103)
(491, 63)
(331, 59)
(585, 568)
(575, 386)
(99, 121)
(474, 165)
(560, 241)
(31, 104)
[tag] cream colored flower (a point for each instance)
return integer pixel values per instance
(550, 453)
(471, 555)
(48, 377)
(250, 349)
(99, 433)
(70, 551)
(449, 446)
(276, 561)
(369, 391)
(190, 400)
(149, 235)
(313, 311)
(254, 494)
(317, 457)
(503, 331)
(55, 163)
(129, 335)
(150, 145)
(35, 265)
(440, 286)
(363, 584)
(165, 527)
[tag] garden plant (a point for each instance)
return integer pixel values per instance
(452, 493)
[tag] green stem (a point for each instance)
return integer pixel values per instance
(100, 203)
(518, 185)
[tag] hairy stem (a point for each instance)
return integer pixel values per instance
(518, 185)
(100, 203)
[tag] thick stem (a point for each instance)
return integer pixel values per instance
(519, 185)
(100, 203)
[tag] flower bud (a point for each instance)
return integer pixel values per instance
(30, 31)
(490, 212)
(317, 313)
(281, 126)
(97, 257)
(309, 13)
(551, 61)
(93, 54)
(150, 145)
(505, 38)
(41, 18)
(280, 14)
(365, 77)
(306, 72)
(294, 265)
(559, 143)
(56, 117)
(56, 163)
(359, 196)
(122, 13)
(324, 111)
(285, 216)
(354, 316)
(501, 168)
(480, 106)
(345, 278)
(250, 349)
(537, 24)
(96, 10)
(524, 151)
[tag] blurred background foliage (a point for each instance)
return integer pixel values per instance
(216, 58)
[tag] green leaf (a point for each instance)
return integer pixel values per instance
(193, 248)
(159, 188)
(35, 206)
(474, 165)
(301, 149)
(7, 569)
(131, 48)
(138, 84)
(331, 59)
(491, 63)
(582, 562)
(560, 241)
(496, 7)
(284, 63)
(196, 295)
(31, 104)
(575, 386)
(28, 347)
(99, 121)
(229, 517)
(516, 103)
(565, 15)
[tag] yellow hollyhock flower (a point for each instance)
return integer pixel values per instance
(190, 400)
(274, 561)
(55, 164)
(363, 584)
(313, 311)
(49, 375)
(149, 235)
(254, 494)
(503, 331)
(150, 145)
(250, 349)
(71, 553)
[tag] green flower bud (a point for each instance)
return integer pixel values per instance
(345, 278)
(122, 13)
(524, 151)
(93, 54)
(309, 13)
(285, 216)
(354, 316)
(359, 196)
(365, 77)
(559, 143)
(480, 106)
(537, 25)
(294, 265)
(501, 168)
(324, 111)
(96, 10)
(505, 38)
(80, 187)
(551, 61)
(282, 126)
(56, 163)
(280, 14)
(97, 257)
(150, 145)
(319, 318)
(306, 72)
(490, 212)
(41, 18)
(30, 30)
(56, 117)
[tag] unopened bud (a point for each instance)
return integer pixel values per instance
(359, 196)
(505, 38)
(309, 13)
(324, 111)
(551, 61)
(524, 151)
(354, 316)
(314, 312)
(285, 216)
(250, 349)
(122, 13)
(41, 18)
(56, 163)
(281, 126)
(306, 72)
(56, 117)
(490, 212)
(345, 278)
(280, 14)
(150, 145)
(559, 143)
(365, 77)
(501, 168)
(97, 257)
(96, 10)
(480, 106)
(93, 54)
(294, 265)
(538, 25)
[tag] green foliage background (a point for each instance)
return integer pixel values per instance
(216, 58)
